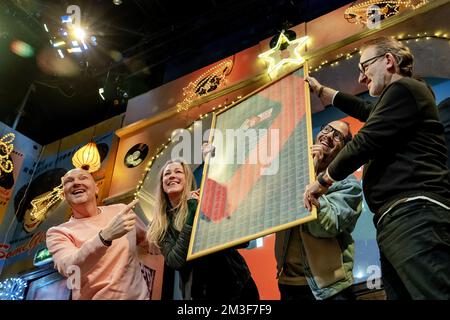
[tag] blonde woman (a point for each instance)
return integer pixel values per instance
(223, 275)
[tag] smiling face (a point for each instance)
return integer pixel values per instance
(376, 74)
(79, 187)
(173, 179)
(329, 143)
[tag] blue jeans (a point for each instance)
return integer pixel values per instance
(296, 293)
(414, 242)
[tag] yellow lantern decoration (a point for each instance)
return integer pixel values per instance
(87, 158)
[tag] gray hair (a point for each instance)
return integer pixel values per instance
(402, 53)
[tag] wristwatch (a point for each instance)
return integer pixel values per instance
(105, 242)
(322, 181)
(319, 94)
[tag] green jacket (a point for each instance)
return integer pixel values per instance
(218, 276)
(327, 247)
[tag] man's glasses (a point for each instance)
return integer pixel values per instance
(337, 135)
(364, 65)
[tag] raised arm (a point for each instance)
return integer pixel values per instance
(394, 113)
(351, 105)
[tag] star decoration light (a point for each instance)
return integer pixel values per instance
(277, 58)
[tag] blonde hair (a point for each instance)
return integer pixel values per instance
(160, 223)
(402, 53)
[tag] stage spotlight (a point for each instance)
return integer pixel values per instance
(79, 33)
(117, 2)
(72, 50)
(59, 44)
(100, 92)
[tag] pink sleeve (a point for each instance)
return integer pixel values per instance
(66, 255)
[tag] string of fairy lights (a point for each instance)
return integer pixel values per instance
(42, 205)
(360, 12)
(424, 36)
(212, 79)
(161, 149)
(407, 38)
(12, 289)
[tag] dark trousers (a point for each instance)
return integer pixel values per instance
(288, 292)
(249, 292)
(414, 242)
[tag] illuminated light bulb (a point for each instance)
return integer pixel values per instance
(79, 33)
(100, 92)
(59, 44)
(42, 204)
(72, 50)
(6, 145)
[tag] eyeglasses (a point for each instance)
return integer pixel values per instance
(337, 135)
(364, 65)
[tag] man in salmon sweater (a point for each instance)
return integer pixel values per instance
(96, 248)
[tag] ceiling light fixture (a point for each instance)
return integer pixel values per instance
(79, 33)
(100, 92)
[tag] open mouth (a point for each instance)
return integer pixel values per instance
(326, 144)
(79, 191)
(172, 183)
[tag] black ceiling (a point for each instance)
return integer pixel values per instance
(142, 44)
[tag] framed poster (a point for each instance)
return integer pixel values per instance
(253, 183)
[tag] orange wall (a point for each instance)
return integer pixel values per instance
(263, 267)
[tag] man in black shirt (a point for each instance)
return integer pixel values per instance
(406, 181)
